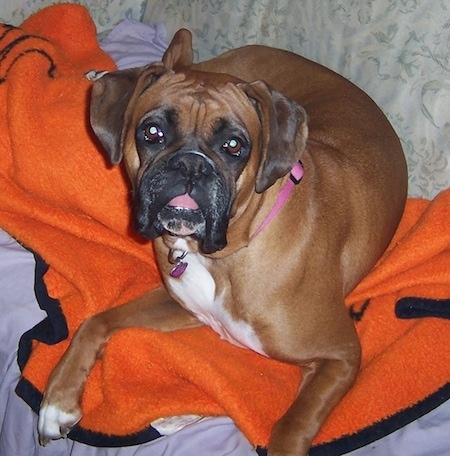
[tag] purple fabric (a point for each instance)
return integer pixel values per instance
(134, 44)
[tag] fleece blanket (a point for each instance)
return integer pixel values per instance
(60, 199)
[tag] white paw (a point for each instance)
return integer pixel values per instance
(54, 423)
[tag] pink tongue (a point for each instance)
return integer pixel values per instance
(183, 201)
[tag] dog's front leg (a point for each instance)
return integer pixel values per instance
(327, 376)
(295, 431)
(60, 407)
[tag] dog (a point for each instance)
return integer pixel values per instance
(255, 167)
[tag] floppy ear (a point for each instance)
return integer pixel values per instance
(111, 97)
(284, 132)
(179, 54)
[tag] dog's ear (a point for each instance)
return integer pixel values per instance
(179, 54)
(111, 98)
(284, 132)
(113, 93)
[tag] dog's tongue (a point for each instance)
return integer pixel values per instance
(183, 201)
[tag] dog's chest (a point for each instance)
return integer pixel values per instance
(196, 291)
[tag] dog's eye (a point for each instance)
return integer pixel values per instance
(153, 134)
(233, 146)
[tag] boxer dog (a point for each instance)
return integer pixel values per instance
(270, 186)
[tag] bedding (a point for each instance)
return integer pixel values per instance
(235, 442)
(426, 436)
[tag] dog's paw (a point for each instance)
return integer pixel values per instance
(54, 423)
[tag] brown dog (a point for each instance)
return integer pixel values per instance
(297, 183)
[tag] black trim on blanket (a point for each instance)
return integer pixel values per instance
(409, 307)
(113, 441)
(53, 329)
(31, 395)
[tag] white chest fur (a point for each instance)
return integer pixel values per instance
(196, 290)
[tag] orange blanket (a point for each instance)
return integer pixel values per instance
(60, 198)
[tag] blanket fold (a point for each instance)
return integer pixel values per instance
(61, 199)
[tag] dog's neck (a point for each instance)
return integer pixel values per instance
(177, 258)
(295, 178)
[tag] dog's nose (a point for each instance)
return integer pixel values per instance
(192, 165)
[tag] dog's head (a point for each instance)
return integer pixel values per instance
(192, 140)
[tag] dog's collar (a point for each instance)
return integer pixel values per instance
(294, 179)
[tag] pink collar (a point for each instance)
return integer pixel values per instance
(295, 178)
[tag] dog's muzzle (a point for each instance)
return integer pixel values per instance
(184, 194)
